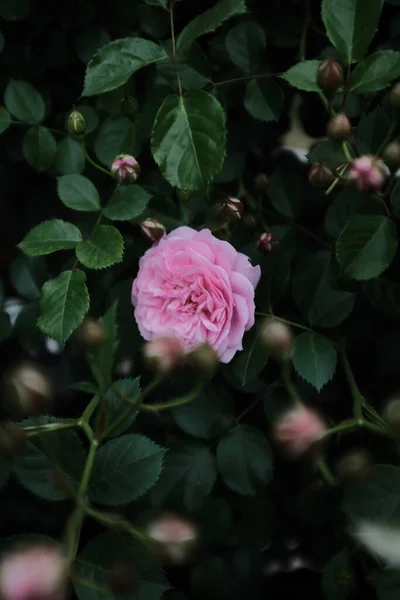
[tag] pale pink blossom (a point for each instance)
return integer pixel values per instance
(164, 352)
(367, 173)
(175, 534)
(125, 168)
(298, 429)
(36, 572)
(198, 289)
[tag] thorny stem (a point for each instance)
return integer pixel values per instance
(33, 430)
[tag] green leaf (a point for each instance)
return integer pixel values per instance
(275, 274)
(208, 415)
(366, 246)
(78, 192)
(115, 136)
(375, 72)
(104, 248)
(96, 562)
(45, 458)
(188, 475)
(125, 468)
(303, 76)
(188, 139)
(5, 470)
(115, 404)
(351, 25)
(64, 304)
(371, 131)
(286, 191)
(209, 21)
(347, 203)
(328, 151)
(24, 102)
(246, 43)
(5, 326)
(101, 359)
(28, 275)
(128, 202)
(195, 71)
(70, 158)
(114, 64)
(244, 459)
(316, 294)
(337, 577)
(247, 364)
(89, 41)
(314, 359)
(39, 147)
(5, 119)
(49, 237)
(264, 99)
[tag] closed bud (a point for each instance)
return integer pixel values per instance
(28, 392)
(124, 578)
(366, 173)
(320, 175)
(164, 353)
(175, 538)
(204, 358)
(12, 438)
(230, 210)
(277, 337)
(129, 107)
(298, 429)
(339, 127)
(91, 334)
(265, 242)
(125, 169)
(330, 75)
(152, 229)
(355, 467)
(261, 182)
(76, 124)
(392, 415)
(183, 195)
(394, 97)
(391, 155)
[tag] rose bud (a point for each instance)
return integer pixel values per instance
(152, 229)
(175, 536)
(330, 75)
(28, 391)
(91, 334)
(277, 337)
(183, 195)
(391, 155)
(366, 173)
(76, 124)
(124, 578)
(230, 210)
(392, 416)
(298, 429)
(12, 438)
(204, 358)
(261, 182)
(265, 242)
(320, 175)
(164, 353)
(394, 97)
(35, 572)
(125, 169)
(339, 127)
(355, 467)
(129, 107)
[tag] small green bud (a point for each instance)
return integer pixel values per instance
(129, 107)
(76, 124)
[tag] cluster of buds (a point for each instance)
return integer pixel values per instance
(76, 124)
(91, 334)
(230, 209)
(28, 391)
(320, 175)
(125, 169)
(330, 75)
(164, 354)
(152, 229)
(298, 429)
(366, 173)
(175, 538)
(277, 338)
(339, 127)
(265, 242)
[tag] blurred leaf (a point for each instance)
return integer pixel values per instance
(101, 360)
(5, 119)
(154, 22)
(246, 43)
(125, 468)
(113, 64)
(188, 475)
(114, 137)
(50, 236)
(5, 326)
(387, 586)
(65, 302)
(346, 204)
(89, 41)
(375, 72)
(328, 151)
(303, 76)
(70, 158)
(39, 147)
(351, 25)
(24, 102)
(395, 200)
(26, 329)
(337, 577)
(194, 69)
(366, 246)
(14, 10)
(314, 359)
(78, 192)
(127, 202)
(264, 99)
(28, 275)
(105, 247)
(286, 191)
(115, 404)
(383, 294)
(188, 139)
(248, 363)
(372, 131)
(275, 275)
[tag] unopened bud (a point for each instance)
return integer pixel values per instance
(124, 578)
(320, 175)
(164, 353)
(261, 182)
(392, 415)
(394, 97)
(125, 169)
(355, 467)
(28, 392)
(339, 127)
(277, 337)
(330, 75)
(129, 107)
(76, 124)
(91, 333)
(183, 195)
(175, 538)
(152, 229)
(12, 438)
(204, 358)
(391, 155)
(366, 173)
(265, 242)
(298, 429)
(230, 210)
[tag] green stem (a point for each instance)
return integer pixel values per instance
(358, 398)
(245, 78)
(346, 151)
(33, 430)
(374, 415)
(289, 386)
(89, 410)
(118, 523)
(324, 102)
(185, 399)
(293, 324)
(171, 16)
(303, 40)
(326, 472)
(92, 162)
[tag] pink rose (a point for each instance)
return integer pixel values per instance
(367, 173)
(198, 289)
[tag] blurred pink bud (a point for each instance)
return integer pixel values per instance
(265, 242)
(367, 173)
(277, 337)
(298, 429)
(152, 229)
(125, 169)
(34, 573)
(28, 391)
(165, 353)
(175, 535)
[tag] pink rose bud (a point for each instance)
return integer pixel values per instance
(265, 242)
(298, 429)
(366, 173)
(230, 210)
(28, 392)
(164, 353)
(320, 175)
(152, 229)
(339, 127)
(330, 75)
(277, 337)
(125, 169)
(33, 573)
(175, 536)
